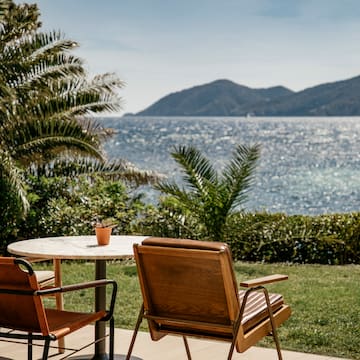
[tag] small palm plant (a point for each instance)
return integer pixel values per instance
(211, 197)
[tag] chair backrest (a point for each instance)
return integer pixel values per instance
(187, 285)
(20, 308)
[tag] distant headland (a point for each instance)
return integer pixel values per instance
(226, 98)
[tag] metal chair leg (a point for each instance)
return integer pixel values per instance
(237, 324)
(137, 326)
(46, 349)
(111, 340)
(273, 325)
(187, 348)
(30, 346)
(271, 317)
(232, 348)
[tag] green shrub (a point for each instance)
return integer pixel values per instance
(63, 206)
(170, 220)
(9, 214)
(323, 239)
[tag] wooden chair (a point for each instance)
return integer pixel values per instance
(23, 315)
(189, 289)
(51, 278)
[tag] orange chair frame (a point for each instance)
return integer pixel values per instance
(23, 315)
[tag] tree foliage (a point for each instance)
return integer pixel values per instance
(47, 103)
(61, 205)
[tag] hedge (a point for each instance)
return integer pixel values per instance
(265, 237)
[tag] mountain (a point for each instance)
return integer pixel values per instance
(340, 98)
(218, 98)
(226, 98)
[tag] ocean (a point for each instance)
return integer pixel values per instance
(307, 165)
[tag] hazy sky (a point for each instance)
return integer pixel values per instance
(162, 46)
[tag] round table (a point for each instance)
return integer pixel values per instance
(82, 247)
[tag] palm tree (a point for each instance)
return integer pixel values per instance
(211, 197)
(46, 106)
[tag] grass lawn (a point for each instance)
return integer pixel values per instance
(325, 301)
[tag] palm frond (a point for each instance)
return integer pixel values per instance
(24, 130)
(239, 174)
(128, 172)
(114, 170)
(18, 20)
(198, 171)
(13, 175)
(72, 104)
(170, 188)
(44, 139)
(185, 198)
(37, 47)
(93, 103)
(108, 82)
(4, 6)
(45, 72)
(45, 149)
(45, 44)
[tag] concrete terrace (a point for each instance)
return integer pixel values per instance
(169, 348)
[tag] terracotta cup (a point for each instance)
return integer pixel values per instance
(103, 235)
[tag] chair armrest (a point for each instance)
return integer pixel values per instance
(263, 280)
(74, 287)
(87, 285)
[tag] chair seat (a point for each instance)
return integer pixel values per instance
(256, 308)
(255, 312)
(63, 322)
(45, 277)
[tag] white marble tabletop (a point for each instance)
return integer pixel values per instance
(76, 247)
